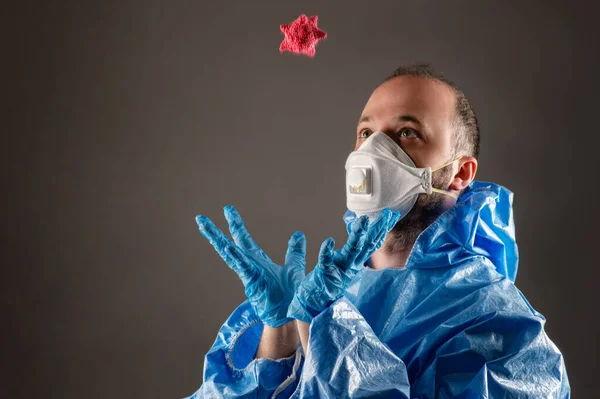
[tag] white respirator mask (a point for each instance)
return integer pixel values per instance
(381, 175)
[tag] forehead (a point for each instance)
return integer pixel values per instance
(431, 101)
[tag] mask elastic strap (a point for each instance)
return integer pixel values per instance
(449, 163)
(448, 193)
(440, 191)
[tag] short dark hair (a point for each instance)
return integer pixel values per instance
(466, 142)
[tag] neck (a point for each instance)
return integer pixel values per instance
(384, 258)
(400, 241)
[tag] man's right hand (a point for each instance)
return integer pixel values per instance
(269, 287)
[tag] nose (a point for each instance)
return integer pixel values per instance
(391, 134)
(388, 132)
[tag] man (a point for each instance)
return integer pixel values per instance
(419, 302)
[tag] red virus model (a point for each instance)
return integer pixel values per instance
(301, 36)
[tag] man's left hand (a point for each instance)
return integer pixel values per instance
(335, 269)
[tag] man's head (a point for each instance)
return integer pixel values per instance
(433, 122)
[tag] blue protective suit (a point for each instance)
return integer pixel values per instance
(450, 324)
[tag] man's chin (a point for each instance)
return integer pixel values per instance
(404, 234)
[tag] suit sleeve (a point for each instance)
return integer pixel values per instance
(231, 371)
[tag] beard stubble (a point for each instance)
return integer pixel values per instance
(426, 210)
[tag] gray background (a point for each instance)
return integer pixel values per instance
(123, 120)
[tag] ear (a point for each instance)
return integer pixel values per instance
(467, 168)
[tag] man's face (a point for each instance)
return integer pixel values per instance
(418, 114)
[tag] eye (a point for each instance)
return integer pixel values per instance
(408, 133)
(363, 134)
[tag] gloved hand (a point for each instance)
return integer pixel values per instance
(269, 287)
(335, 269)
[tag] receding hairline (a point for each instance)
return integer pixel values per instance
(464, 120)
(457, 92)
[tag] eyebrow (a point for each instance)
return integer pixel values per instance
(399, 118)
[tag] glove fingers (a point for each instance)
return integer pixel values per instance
(355, 243)
(380, 232)
(394, 218)
(375, 235)
(296, 252)
(349, 218)
(214, 236)
(326, 252)
(239, 232)
(241, 264)
(386, 228)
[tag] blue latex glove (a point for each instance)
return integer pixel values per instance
(335, 269)
(349, 218)
(269, 287)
